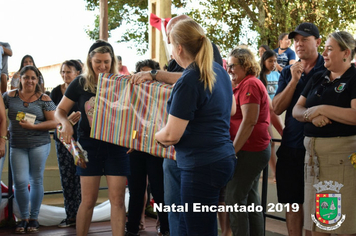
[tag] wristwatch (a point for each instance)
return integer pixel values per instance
(153, 74)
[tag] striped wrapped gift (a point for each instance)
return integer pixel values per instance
(129, 115)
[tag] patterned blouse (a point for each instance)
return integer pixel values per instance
(25, 138)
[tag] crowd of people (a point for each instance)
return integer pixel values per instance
(220, 123)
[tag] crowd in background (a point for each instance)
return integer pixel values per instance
(220, 118)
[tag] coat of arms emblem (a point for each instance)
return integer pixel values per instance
(340, 88)
(328, 206)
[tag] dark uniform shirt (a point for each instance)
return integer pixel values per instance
(339, 92)
(293, 133)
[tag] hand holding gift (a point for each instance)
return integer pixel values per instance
(80, 156)
(129, 115)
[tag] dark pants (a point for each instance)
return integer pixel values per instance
(243, 191)
(290, 175)
(69, 180)
(202, 185)
(143, 164)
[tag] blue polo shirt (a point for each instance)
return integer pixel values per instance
(293, 133)
(206, 138)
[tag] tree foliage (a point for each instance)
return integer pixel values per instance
(131, 13)
(225, 20)
(270, 18)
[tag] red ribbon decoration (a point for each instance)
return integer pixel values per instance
(155, 21)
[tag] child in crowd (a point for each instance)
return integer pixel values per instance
(269, 77)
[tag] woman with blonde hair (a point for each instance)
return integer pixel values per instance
(249, 132)
(327, 105)
(104, 158)
(198, 126)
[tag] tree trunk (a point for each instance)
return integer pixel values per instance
(103, 24)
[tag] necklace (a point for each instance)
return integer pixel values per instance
(283, 49)
(24, 101)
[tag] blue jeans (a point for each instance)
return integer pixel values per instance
(2, 160)
(171, 178)
(202, 185)
(28, 165)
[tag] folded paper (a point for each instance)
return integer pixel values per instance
(31, 118)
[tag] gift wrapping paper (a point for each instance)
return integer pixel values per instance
(80, 156)
(129, 115)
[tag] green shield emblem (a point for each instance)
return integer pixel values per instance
(328, 208)
(340, 88)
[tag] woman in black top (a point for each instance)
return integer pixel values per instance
(70, 181)
(328, 107)
(104, 158)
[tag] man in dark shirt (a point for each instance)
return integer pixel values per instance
(290, 163)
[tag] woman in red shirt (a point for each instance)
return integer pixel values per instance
(249, 132)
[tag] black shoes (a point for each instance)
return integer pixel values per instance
(66, 223)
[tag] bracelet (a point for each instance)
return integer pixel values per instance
(4, 137)
(306, 117)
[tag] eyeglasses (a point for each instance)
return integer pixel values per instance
(322, 87)
(231, 66)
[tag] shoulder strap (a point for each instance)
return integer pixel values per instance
(40, 98)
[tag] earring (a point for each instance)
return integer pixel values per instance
(344, 59)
